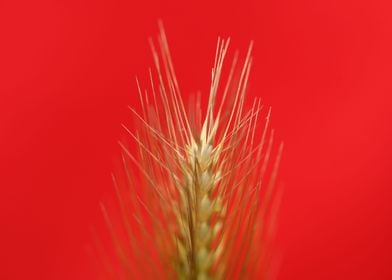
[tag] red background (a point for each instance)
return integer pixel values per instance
(67, 74)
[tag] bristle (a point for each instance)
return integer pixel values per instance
(196, 204)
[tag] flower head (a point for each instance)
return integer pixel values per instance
(196, 205)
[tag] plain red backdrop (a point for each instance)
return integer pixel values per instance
(67, 74)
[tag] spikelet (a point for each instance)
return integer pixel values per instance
(196, 205)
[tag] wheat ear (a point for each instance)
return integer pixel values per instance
(196, 205)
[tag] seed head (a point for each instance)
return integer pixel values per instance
(196, 206)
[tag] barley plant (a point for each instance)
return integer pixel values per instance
(198, 183)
